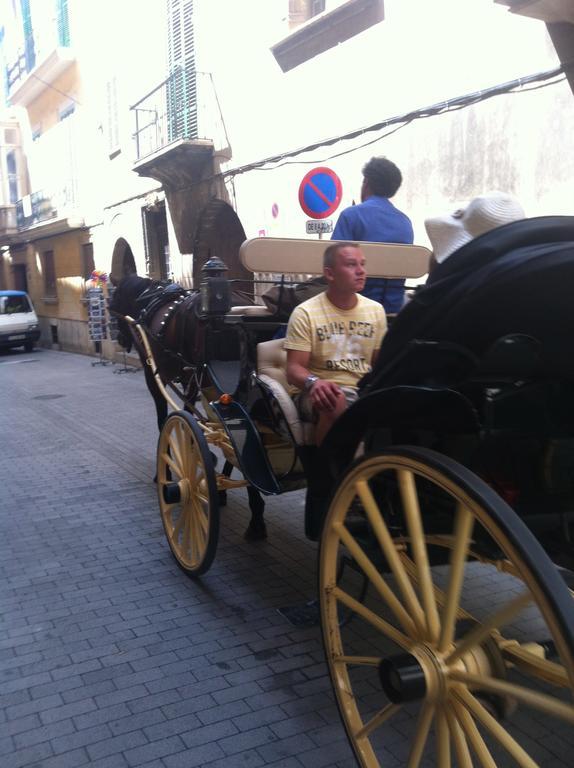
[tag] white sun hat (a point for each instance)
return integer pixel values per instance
(485, 212)
(489, 211)
(447, 233)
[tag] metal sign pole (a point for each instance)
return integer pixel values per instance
(101, 360)
(125, 368)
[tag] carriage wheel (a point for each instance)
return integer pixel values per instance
(467, 627)
(187, 492)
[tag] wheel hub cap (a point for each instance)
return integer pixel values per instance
(402, 678)
(176, 493)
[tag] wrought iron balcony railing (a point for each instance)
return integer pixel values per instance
(45, 205)
(17, 70)
(183, 106)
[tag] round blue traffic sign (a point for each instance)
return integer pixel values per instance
(320, 193)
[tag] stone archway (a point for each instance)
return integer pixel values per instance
(123, 262)
(220, 233)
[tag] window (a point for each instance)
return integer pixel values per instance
(182, 83)
(112, 116)
(49, 268)
(301, 11)
(11, 305)
(43, 20)
(67, 110)
(63, 23)
(29, 50)
(317, 7)
(88, 265)
(12, 176)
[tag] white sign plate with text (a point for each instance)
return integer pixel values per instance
(319, 226)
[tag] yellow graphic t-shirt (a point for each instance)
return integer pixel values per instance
(341, 342)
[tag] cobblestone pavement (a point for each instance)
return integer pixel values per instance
(109, 656)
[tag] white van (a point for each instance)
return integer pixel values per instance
(18, 321)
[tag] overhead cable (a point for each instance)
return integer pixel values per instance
(548, 77)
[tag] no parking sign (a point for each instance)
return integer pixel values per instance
(320, 193)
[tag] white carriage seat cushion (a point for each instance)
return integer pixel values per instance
(272, 361)
(252, 309)
(271, 369)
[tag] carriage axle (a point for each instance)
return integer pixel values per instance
(402, 678)
(172, 493)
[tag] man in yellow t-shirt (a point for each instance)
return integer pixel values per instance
(333, 339)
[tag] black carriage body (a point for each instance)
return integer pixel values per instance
(478, 367)
(264, 447)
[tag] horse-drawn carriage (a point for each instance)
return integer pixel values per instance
(440, 498)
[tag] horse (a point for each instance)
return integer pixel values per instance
(170, 315)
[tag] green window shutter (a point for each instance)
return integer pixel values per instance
(29, 50)
(63, 23)
(182, 83)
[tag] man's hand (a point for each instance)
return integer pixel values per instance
(324, 395)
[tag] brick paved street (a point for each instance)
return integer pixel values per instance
(109, 656)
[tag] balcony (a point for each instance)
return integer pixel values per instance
(326, 30)
(54, 204)
(177, 126)
(46, 205)
(550, 11)
(559, 18)
(26, 83)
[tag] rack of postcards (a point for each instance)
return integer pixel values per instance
(97, 326)
(97, 329)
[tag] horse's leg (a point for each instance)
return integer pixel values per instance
(226, 472)
(256, 530)
(158, 398)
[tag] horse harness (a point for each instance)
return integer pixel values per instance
(164, 298)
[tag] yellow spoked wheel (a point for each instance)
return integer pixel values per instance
(187, 493)
(466, 633)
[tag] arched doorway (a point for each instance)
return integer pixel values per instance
(220, 233)
(123, 262)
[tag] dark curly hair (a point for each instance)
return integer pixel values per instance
(383, 176)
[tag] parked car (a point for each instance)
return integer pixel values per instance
(18, 321)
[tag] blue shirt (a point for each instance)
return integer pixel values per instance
(377, 221)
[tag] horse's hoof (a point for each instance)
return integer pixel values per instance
(222, 498)
(255, 532)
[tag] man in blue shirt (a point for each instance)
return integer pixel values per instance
(376, 220)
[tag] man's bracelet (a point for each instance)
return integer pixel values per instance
(309, 381)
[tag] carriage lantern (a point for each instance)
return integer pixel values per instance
(215, 288)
